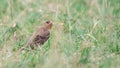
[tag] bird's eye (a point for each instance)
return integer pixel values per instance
(47, 22)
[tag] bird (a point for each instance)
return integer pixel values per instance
(39, 36)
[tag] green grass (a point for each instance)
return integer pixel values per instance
(86, 33)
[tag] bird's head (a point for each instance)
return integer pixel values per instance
(48, 24)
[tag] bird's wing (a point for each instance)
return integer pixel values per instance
(42, 36)
(31, 39)
(39, 37)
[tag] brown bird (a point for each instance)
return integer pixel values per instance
(40, 36)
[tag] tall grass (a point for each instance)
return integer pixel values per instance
(86, 33)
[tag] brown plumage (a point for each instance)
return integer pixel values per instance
(40, 36)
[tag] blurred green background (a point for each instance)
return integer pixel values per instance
(86, 33)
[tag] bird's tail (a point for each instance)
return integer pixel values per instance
(23, 48)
